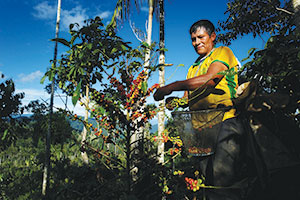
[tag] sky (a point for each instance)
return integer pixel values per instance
(26, 27)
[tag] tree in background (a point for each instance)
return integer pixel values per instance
(22, 161)
(278, 62)
(9, 102)
(10, 106)
(49, 132)
(22, 143)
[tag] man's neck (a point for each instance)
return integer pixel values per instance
(202, 56)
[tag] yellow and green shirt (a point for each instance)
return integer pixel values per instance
(224, 91)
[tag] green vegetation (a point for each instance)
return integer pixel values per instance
(106, 75)
(278, 62)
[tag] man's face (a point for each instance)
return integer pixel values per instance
(202, 42)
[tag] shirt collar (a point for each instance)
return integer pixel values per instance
(200, 60)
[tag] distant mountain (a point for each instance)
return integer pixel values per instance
(78, 126)
(22, 116)
(154, 128)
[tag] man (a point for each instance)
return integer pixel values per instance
(203, 74)
(206, 88)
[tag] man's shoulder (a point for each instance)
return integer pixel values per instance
(222, 52)
(223, 49)
(225, 55)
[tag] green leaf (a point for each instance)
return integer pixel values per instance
(250, 53)
(60, 84)
(112, 24)
(101, 110)
(51, 75)
(73, 39)
(298, 55)
(89, 46)
(163, 49)
(113, 50)
(145, 44)
(144, 87)
(123, 47)
(70, 74)
(76, 94)
(43, 79)
(270, 40)
(4, 134)
(81, 54)
(96, 51)
(62, 41)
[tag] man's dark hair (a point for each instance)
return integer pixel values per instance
(209, 27)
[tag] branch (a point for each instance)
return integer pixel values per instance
(99, 152)
(177, 154)
(137, 32)
(286, 11)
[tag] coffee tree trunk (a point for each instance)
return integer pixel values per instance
(139, 133)
(84, 155)
(137, 138)
(161, 113)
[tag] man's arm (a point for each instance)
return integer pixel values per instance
(193, 83)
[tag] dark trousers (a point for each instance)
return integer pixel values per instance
(223, 167)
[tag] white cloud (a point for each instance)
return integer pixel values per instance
(30, 77)
(75, 15)
(105, 14)
(32, 94)
(44, 11)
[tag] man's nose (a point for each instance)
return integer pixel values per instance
(197, 42)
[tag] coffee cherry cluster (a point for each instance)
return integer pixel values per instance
(192, 184)
(176, 103)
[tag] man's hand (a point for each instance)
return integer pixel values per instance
(161, 92)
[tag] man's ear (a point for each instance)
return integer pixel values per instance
(213, 36)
